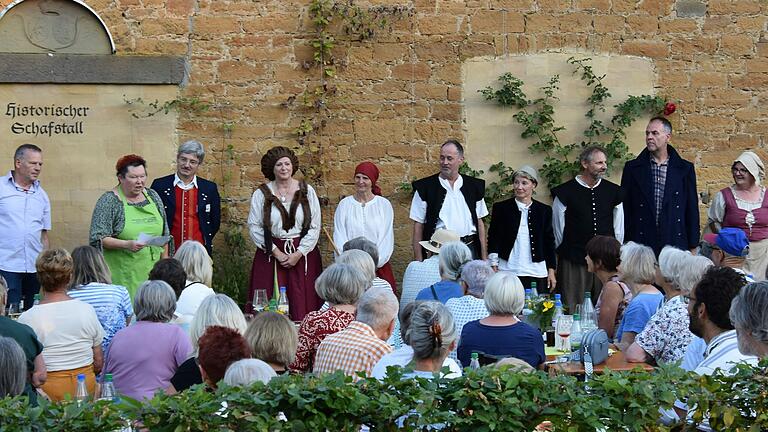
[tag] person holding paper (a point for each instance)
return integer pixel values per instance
(122, 216)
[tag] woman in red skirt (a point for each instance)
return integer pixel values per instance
(367, 214)
(284, 223)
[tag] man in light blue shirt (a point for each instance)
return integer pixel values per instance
(25, 219)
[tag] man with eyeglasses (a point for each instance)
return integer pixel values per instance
(25, 219)
(661, 206)
(708, 307)
(192, 204)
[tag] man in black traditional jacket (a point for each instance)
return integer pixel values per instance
(452, 201)
(584, 207)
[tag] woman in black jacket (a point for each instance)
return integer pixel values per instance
(520, 238)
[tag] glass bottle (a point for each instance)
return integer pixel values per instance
(576, 336)
(108, 389)
(588, 316)
(474, 362)
(528, 306)
(558, 310)
(282, 302)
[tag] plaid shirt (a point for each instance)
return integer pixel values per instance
(354, 349)
(659, 174)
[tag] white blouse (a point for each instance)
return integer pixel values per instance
(256, 220)
(454, 214)
(372, 220)
(520, 260)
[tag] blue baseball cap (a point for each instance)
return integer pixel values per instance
(732, 241)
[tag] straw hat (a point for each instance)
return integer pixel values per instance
(437, 240)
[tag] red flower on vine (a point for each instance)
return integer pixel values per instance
(669, 108)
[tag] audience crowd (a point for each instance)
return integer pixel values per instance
(139, 302)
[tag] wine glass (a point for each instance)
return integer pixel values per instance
(563, 329)
(260, 301)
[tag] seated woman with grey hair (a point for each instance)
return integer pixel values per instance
(749, 315)
(638, 270)
(453, 256)
(403, 355)
(243, 373)
(144, 356)
(502, 334)
(199, 269)
(341, 286)
(215, 310)
(432, 335)
(369, 247)
(13, 368)
(470, 306)
(666, 335)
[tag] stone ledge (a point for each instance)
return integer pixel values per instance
(91, 69)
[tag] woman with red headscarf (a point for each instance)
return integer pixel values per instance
(367, 214)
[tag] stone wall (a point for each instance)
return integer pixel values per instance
(400, 94)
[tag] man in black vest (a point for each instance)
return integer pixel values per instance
(452, 201)
(584, 207)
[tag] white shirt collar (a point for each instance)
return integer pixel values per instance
(522, 206)
(456, 185)
(178, 182)
(726, 335)
(583, 183)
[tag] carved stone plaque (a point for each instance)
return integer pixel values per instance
(53, 26)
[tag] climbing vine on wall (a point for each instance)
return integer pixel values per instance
(333, 22)
(537, 117)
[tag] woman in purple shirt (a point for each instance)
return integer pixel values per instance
(144, 356)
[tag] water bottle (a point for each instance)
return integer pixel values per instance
(21, 305)
(37, 300)
(282, 302)
(108, 389)
(81, 394)
(558, 310)
(534, 292)
(588, 316)
(474, 363)
(527, 307)
(576, 336)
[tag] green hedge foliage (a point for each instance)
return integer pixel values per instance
(489, 399)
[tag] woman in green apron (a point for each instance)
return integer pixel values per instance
(121, 216)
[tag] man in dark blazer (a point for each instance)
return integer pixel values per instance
(660, 200)
(192, 204)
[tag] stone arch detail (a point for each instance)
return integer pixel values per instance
(53, 26)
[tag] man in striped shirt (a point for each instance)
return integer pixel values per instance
(708, 306)
(361, 345)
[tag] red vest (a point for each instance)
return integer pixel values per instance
(186, 225)
(736, 217)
